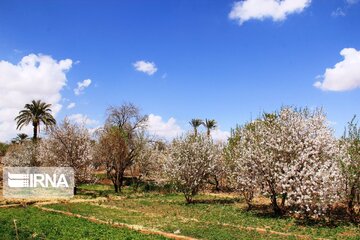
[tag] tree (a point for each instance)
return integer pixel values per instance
(220, 172)
(291, 154)
(210, 124)
(120, 141)
(350, 165)
(69, 145)
(242, 176)
(150, 161)
(190, 162)
(21, 137)
(36, 112)
(22, 155)
(195, 123)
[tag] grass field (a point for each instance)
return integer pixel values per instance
(33, 223)
(212, 217)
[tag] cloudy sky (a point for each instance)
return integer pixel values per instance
(177, 60)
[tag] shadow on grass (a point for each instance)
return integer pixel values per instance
(337, 217)
(96, 193)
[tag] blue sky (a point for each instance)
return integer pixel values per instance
(208, 65)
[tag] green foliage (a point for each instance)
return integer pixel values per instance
(195, 123)
(210, 124)
(212, 217)
(35, 113)
(3, 148)
(36, 224)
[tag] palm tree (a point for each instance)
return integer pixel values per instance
(210, 124)
(195, 123)
(35, 113)
(21, 137)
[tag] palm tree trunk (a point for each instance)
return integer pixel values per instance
(35, 131)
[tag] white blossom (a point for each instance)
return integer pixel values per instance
(191, 160)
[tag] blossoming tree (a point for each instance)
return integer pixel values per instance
(190, 162)
(291, 154)
(69, 145)
(350, 166)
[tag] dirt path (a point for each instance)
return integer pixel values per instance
(48, 202)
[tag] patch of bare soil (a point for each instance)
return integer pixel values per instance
(41, 202)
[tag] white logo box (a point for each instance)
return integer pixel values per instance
(38, 182)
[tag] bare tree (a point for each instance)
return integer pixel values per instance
(120, 141)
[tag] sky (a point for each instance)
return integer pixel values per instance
(177, 60)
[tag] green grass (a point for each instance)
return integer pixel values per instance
(33, 223)
(203, 220)
(166, 212)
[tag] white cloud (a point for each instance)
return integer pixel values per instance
(81, 86)
(277, 10)
(71, 105)
(82, 119)
(167, 129)
(339, 12)
(345, 75)
(170, 129)
(219, 135)
(34, 77)
(146, 67)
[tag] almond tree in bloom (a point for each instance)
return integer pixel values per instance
(150, 161)
(191, 160)
(291, 154)
(69, 145)
(243, 177)
(350, 166)
(22, 155)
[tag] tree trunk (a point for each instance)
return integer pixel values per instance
(351, 209)
(188, 198)
(283, 200)
(121, 179)
(35, 131)
(275, 206)
(116, 187)
(217, 188)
